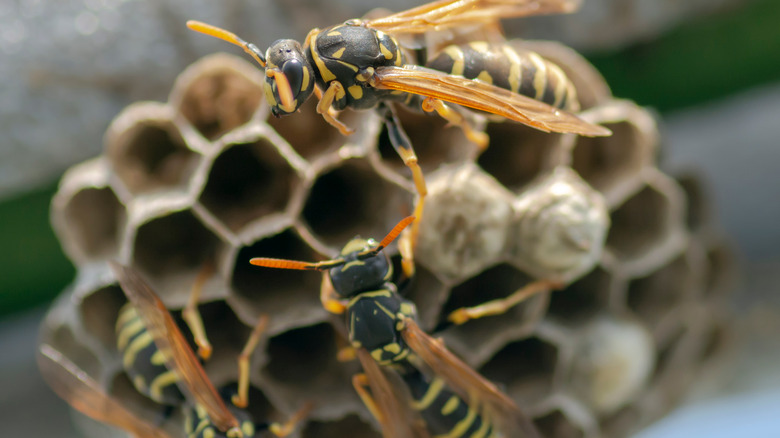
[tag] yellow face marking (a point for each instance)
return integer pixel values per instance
(333, 33)
(456, 54)
(348, 65)
(127, 332)
(326, 74)
(158, 358)
(480, 46)
(515, 73)
(160, 382)
(354, 245)
(138, 344)
(351, 264)
(337, 54)
(305, 81)
(430, 395)
(485, 77)
(540, 77)
(450, 406)
(463, 425)
(269, 94)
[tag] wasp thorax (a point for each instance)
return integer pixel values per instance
(360, 274)
(289, 77)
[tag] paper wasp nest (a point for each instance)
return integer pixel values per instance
(211, 176)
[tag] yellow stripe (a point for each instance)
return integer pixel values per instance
(394, 348)
(126, 313)
(159, 383)
(385, 51)
(540, 77)
(433, 391)
(351, 264)
(376, 293)
(158, 358)
(139, 343)
(560, 87)
(140, 384)
(480, 46)
(450, 406)
(385, 309)
(515, 73)
(127, 332)
(305, 81)
(456, 54)
(337, 54)
(485, 77)
(462, 426)
(326, 74)
(483, 429)
(333, 33)
(354, 245)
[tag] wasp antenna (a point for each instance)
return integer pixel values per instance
(230, 37)
(390, 237)
(294, 264)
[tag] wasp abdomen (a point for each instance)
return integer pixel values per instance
(520, 71)
(143, 362)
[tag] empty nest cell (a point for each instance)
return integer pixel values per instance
(654, 296)
(352, 200)
(99, 311)
(641, 223)
(218, 94)
(246, 182)
(94, 217)
(697, 206)
(525, 369)
(582, 299)
(151, 155)
(557, 424)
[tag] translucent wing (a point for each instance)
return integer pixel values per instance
(397, 420)
(179, 357)
(484, 97)
(468, 383)
(445, 14)
(74, 386)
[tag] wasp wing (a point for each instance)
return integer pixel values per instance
(469, 384)
(447, 14)
(179, 357)
(84, 394)
(397, 420)
(484, 97)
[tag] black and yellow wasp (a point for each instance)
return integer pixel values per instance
(161, 365)
(456, 402)
(360, 64)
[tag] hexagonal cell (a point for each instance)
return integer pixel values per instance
(668, 352)
(99, 311)
(171, 248)
(525, 369)
(556, 424)
(248, 181)
(310, 135)
(583, 298)
(639, 224)
(654, 296)
(350, 426)
(518, 154)
(612, 363)
(302, 363)
(612, 164)
(94, 218)
(698, 209)
(353, 200)
(218, 94)
(294, 294)
(147, 151)
(63, 340)
(434, 141)
(465, 222)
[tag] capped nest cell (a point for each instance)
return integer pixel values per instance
(211, 178)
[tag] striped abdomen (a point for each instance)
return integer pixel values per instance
(143, 362)
(520, 71)
(445, 413)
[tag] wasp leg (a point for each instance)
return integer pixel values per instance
(403, 146)
(324, 107)
(360, 382)
(286, 428)
(330, 299)
(346, 353)
(430, 104)
(242, 398)
(500, 306)
(191, 314)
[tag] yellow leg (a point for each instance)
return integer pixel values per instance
(479, 138)
(284, 429)
(500, 306)
(347, 353)
(324, 107)
(330, 299)
(360, 382)
(191, 314)
(242, 398)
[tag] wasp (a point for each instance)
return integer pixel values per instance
(382, 327)
(162, 365)
(360, 64)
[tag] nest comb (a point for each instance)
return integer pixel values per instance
(210, 176)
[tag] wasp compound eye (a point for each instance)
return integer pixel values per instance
(293, 70)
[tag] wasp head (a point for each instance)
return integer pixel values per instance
(289, 78)
(360, 273)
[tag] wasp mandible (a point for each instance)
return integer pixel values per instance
(360, 64)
